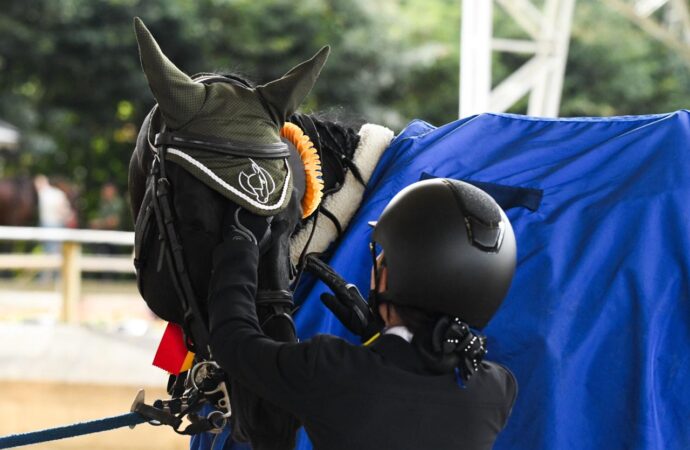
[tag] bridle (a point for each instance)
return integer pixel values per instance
(206, 381)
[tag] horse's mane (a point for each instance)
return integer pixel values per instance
(331, 137)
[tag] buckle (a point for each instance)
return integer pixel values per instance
(205, 385)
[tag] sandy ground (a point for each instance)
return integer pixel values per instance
(32, 406)
(54, 374)
(102, 302)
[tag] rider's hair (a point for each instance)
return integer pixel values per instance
(423, 324)
(415, 319)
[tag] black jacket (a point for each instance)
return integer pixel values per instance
(350, 397)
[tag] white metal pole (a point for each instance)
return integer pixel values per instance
(475, 56)
(545, 98)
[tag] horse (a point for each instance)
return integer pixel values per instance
(198, 204)
(18, 202)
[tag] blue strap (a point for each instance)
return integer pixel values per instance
(506, 196)
(76, 429)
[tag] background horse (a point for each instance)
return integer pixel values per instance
(18, 202)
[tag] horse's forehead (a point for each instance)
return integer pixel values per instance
(234, 113)
(226, 104)
(230, 95)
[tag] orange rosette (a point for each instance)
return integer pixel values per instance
(313, 192)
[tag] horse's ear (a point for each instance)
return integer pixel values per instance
(178, 96)
(285, 94)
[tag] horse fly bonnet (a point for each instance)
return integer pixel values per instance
(226, 134)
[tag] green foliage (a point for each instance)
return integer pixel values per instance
(614, 68)
(70, 77)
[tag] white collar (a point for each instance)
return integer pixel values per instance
(401, 331)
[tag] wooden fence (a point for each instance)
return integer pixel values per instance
(71, 262)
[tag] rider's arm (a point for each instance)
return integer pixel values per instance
(283, 373)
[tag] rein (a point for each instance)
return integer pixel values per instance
(193, 325)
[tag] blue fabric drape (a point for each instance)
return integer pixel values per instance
(596, 326)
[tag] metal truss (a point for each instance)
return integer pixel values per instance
(548, 28)
(667, 21)
(541, 76)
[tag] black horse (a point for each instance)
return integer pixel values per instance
(197, 210)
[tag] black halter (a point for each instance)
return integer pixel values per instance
(206, 381)
(224, 146)
(194, 326)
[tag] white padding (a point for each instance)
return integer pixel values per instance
(374, 140)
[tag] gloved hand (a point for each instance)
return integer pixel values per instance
(240, 224)
(347, 304)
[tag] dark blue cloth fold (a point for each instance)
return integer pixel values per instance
(506, 196)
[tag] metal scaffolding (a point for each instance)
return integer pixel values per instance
(667, 21)
(541, 76)
(548, 28)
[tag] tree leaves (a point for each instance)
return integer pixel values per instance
(70, 77)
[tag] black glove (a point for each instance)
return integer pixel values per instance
(347, 304)
(240, 224)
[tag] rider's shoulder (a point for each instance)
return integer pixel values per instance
(498, 379)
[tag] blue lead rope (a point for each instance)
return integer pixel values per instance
(67, 431)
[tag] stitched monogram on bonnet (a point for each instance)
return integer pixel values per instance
(261, 187)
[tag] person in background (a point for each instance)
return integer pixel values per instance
(73, 196)
(54, 211)
(109, 217)
(110, 209)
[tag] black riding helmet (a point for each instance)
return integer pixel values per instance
(449, 248)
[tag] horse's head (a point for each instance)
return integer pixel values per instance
(252, 173)
(219, 138)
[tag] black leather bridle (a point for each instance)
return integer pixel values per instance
(206, 381)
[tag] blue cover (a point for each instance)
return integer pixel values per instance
(596, 326)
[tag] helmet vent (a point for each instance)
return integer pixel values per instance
(482, 215)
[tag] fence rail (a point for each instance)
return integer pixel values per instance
(71, 262)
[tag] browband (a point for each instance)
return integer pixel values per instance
(224, 146)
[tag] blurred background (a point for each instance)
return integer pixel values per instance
(77, 340)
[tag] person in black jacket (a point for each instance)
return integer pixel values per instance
(448, 256)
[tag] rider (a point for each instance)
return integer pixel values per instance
(447, 262)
